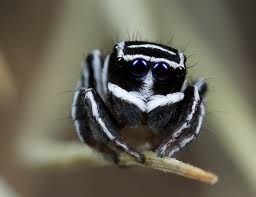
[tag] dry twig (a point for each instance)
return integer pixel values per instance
(70, 155)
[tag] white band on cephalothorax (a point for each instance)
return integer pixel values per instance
(162, 100)
(131, 97)
(120, 54)
(151, 46)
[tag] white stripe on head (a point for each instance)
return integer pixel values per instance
(120, 55)
(151, 59)
(151, 46)
(131, 97)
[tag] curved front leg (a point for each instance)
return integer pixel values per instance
(191, 112)
(103, 125)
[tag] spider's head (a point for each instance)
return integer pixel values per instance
(134, 62)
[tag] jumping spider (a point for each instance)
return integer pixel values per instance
(138, 84)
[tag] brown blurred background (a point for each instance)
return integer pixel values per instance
(41, 46)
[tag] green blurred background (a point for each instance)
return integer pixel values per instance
(41, 46)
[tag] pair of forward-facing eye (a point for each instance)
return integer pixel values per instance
(140, 68)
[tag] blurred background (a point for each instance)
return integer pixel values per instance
(41, 45)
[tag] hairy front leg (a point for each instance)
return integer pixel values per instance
(191, 114)
(104, 126)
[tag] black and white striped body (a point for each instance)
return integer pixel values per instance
(139, 83)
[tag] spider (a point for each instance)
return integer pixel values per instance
(139, 84)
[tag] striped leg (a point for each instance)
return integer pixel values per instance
(90, 78)
(104, 126)
(90, 114)
(190, 121)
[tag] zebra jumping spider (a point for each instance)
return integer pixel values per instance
(138, 84)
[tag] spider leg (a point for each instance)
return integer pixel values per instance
(90, 78)
(190, 121)
(80, 117)
(103, 124)
(90, 114)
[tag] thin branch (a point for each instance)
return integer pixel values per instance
(51, 154)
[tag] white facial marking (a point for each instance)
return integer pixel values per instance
(151, 59)
(120, 54)
(162, 100)
(131, 97)
(140, 101)
(146, 89)
(152, 46)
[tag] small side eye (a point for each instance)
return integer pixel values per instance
(139, 67)
(160, 71)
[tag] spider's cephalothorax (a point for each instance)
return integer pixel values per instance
(138, 84)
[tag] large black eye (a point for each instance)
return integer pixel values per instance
(139, 67)
(160, 71)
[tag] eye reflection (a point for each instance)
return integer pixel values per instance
(139, 67)
(160, 71)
